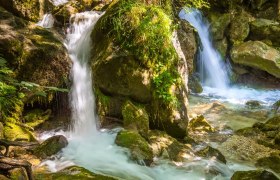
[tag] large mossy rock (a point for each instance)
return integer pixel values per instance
(265, 29)
(271, 162)
(73, 173)
(51, 146)
(254, 175)
(137, 145)
(35, 54)
(257, 54)
(133, 58)
(219, 23)
(14, 132)
(135, 118)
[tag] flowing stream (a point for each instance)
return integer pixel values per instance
(94, 148)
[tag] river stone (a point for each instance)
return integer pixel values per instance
(257, 54)
(209, 152)
(265, 29)
(51, 146)
(253, 104)
(137, 145)
(73, 173)
(254, 175)
(200, 124)
(271, 162)
(135, 118)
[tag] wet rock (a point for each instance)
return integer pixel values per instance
(72, 172)
(276, 107)
(137, 145)
(135, 118)
(188, 43)
(200, 124)
(253, 104)
(254, 175)
(209, 152)
(51, 146)
(271, 162)
(194, 84)
(265, 29)
(257, 55)
(222, 47)
(244, 149)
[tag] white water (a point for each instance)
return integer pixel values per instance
(58, 2)
(214, 73)
(47, 21)
(212, 69)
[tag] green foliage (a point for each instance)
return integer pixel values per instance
(13, 92)
(195, 3)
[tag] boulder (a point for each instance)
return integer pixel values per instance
(219, 22)
(51, 146)
(72, 172)
(222, 47)
(271, 162)
(257, 54)
(253, 104)
(209, 152)
(15, 132)
(200, 124)
(239, 27)
(137, 145)
(265, 29)
(133, 57)
(135, 118)
(194, 84)
(254, 175)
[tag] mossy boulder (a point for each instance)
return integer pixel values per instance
(137, 145)
(194, 84)
(133, 41)
(135, 118)
(14, 132)
(219, 22)
(254, 175)
(27, 9)
(209, 152)
(271, 162)
(253, 104)
(51, 146)
(165, 146)
(73, 173)
(239, 27)
(200, 124)
(257, 54)
(222, 47)
(36, 117)
(265, 29)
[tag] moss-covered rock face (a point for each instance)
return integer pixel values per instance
(219, 23)
(137, 145)
(271, 162)
(194, 85)
(73, 172)
(51, 146)
(254, 175)
(135, 118)
(28, 9)
(265, 29)
(24, 46)
(133, 57)
(258, 55)
(14, 132)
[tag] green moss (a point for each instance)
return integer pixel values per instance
(138, 146)
(36, 117)
(14, 132)
(135, 118)
(73, 173)
(254, 175)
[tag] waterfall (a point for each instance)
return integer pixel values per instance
(84, 119)
(212, 69)
(47, 21)
(58, 2)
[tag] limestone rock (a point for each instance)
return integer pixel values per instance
(51, 146)
(257, 55)
(265, 29)
(135, 118)
(138, 146)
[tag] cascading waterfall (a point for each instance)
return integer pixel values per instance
(58, 2)
(212, 69)
(47, 21)
(214, 72)
(82, 98)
